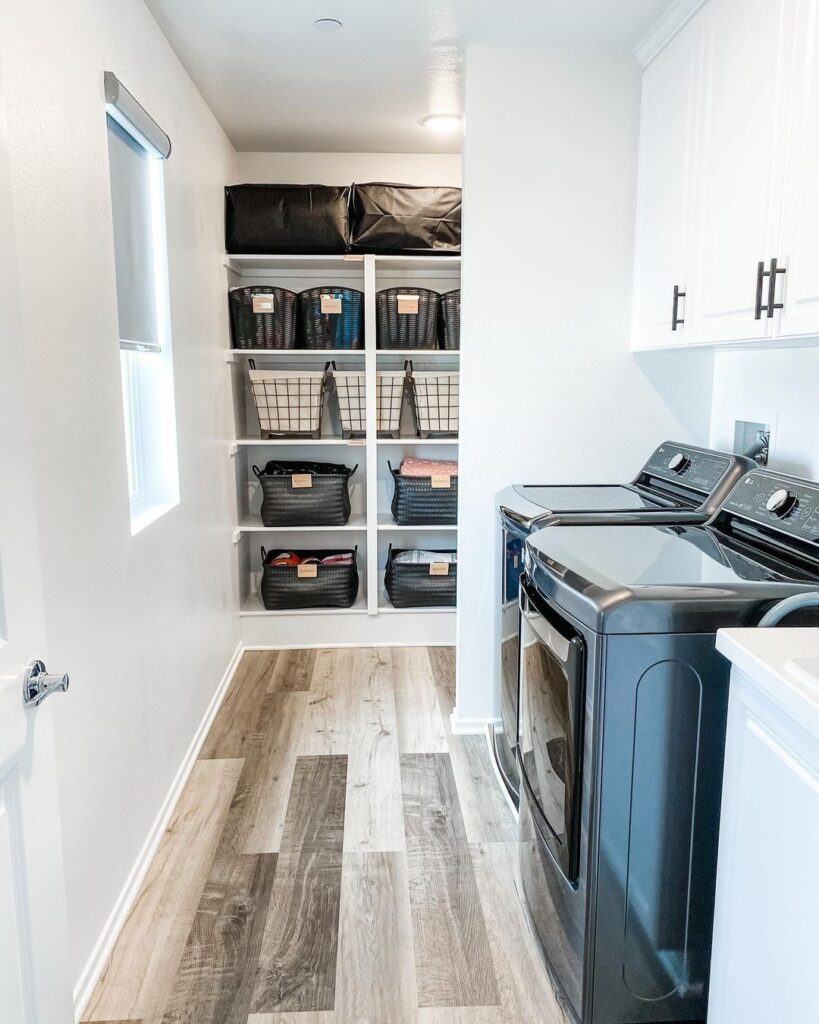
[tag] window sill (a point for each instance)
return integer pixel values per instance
(144, 515)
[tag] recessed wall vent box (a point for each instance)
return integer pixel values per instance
(753, 439)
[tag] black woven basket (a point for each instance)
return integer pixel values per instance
(451, 320)
(407, 330)
(344, 329)
(333, 586)
(416, 502)
(414, 586)
(274, 330)
(305, 493)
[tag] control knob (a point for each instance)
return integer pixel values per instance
(781, 502)
(679, 463)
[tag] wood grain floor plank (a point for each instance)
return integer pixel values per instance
(442, 663)
(297, 964)
(418, 715)
(323, 1017)
(468, 1015)
(526, 992)
(214, 983)
(375, 981)
(256, 818)
(137, 979)
(240, 719)
(452, 957)
(293, 671)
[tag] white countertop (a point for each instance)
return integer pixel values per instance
(782, 662)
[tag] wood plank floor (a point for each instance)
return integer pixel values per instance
(337, 857)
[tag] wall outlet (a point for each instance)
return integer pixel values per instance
(753, 439)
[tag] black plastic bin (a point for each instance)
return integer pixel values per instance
(430, 585)
(424, 500)
(451, 320)
(333, 586)
(305, 493)
(331, 317)
(286, 219)
(253, 324)
(405, 219)
(407, 318)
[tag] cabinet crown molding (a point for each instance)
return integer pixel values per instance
(663, 31)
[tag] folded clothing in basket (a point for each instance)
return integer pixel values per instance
(428, 467)
(289, 558)
(417, 557)
(277, 467)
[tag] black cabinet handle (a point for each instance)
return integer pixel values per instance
(676, 319)
(772, 303)
(761, 274)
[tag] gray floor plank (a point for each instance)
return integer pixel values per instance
(214, 983)
(315, 811)
(453, 962)
(293, 672)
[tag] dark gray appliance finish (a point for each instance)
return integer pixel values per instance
(678, 484)
(628, 933)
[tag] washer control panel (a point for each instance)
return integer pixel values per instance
(698, 470)
(785, 503)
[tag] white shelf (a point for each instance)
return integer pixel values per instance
(253, 524)
(261, 442)
(385, 608)
(243, 263)
(253, 607)
(386, 522)
(236, 355)
(452, 264)
(417, 440)
(420, 353)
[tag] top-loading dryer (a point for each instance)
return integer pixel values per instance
(679, 484)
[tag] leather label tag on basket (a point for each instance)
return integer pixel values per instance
(407, 304)
(440, 481)
(307, 572)
(331, 303)
(439, 568)
(264, 303)
(301, 480)
(356, 442)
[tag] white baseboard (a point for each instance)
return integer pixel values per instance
(335, 647)
(470, 726)
(93, 969)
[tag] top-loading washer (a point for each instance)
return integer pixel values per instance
(678, 484)
(623, 703)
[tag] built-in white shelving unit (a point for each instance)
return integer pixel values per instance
(372, 619)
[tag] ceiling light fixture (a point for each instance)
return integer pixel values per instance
(443, 122)
(327, 24)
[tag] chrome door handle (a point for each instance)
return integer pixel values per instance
(38, 684)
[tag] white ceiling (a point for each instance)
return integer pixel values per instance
(277, 84)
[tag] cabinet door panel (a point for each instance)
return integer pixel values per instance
(745, 82)
(798, 250)
(664, 194)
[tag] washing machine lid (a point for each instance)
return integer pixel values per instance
(589, 498)
(650, 579)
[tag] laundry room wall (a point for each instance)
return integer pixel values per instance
(145, 625)
(550, 390)
(344, 168)
(773, 386)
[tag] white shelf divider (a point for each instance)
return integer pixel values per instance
(372, 433)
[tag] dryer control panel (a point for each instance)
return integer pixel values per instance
(783, 503)
(690, 467)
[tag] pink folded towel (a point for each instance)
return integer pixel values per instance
(428, 467)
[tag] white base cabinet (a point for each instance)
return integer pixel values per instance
(765, 950)
(728, 192)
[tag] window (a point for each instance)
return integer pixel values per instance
(137, 149)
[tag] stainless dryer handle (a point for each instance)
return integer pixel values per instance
(559, 644)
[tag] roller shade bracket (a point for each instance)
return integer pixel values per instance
(134, 118)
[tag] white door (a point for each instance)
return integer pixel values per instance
(798, 250)
(748, 61)
(668, 139)
(34, 985)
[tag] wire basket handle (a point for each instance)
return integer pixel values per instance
(264, 555)
(351, 472)
(256, 471)
(251, 364)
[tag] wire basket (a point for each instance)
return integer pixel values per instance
(289, 402)
(451, 320)
(436, 401)
(391, 391)
(255, 326)
(407, 318)
(331, 317)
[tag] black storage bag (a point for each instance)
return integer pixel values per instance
(405, 219)
(416, 502)
(276, 330)
(333, 586)
(286, 219)
(326, 502)
(413, 586)
(342, 330)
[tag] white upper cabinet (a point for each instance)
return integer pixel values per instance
(797, 251)
(668, 127)
(746, 80)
